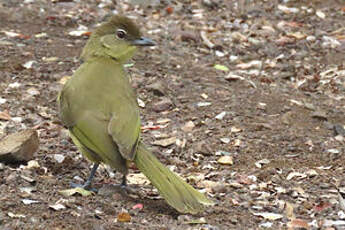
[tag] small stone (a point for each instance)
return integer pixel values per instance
(11, 178)
(157, 88)
(188, 127)
(339, 130)
(19, 147)
(319, 115)
(219, 188)
(162, 105)
(203, 148)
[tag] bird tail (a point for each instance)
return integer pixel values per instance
(177, 193)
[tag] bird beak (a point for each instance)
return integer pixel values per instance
(143, 42)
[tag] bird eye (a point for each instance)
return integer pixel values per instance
(121, 33)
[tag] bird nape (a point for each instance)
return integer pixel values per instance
(99, 107)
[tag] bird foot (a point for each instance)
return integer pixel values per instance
(86, 186)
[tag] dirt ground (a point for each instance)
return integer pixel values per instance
(253, 92)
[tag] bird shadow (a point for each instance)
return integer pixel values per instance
(133, 193)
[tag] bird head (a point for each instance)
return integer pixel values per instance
(117, 38)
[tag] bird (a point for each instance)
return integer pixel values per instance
(99, 108)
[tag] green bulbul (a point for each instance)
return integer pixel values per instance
(99, 107)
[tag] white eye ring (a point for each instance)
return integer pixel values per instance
(121, 34)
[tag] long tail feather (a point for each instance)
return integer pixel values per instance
(177, 193)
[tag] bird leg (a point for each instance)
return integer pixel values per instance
(87, 184)
(124, 181)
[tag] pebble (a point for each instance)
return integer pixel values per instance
(162, 105)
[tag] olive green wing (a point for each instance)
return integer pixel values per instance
(124, 125)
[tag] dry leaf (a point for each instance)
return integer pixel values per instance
(57, 207)
(123, 217)
(320, 14)
(12, 215)
(289, 211)
(221, 115)
(269, 215)
(165, 142)
(298, 224)
(5, 116)
(188, 126)
(262, 162)
(221, 67)
(226, 160)
(141, 103)
(163, 120)
(201, 220)
(341, 200)
(28, 201)
(72, 191)
(203, 104)
(137, 178)
(28, 64)
(33, 164)
(322, 206)
(59, 158)
(235, 129)
(296, 174)
(64, 79)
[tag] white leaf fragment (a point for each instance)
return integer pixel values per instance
(226, 160)
(28, 190)
(137, 178)
(12, 215)
(203, 104)
(341, 215)
(262, 162)
(221, 115)
(28, 201)
(334, 151)
(2, 100)
(269, 215)
(79, 32)
(59, 158)
(165, 142)
(14, 85)
(320, 14)
(296, 174)
(28, 64)
(10, 34)
(329, 223)
(33, 164)
(341, 201)
(57, 207)
(225, 140)
(33, 91)
(288, 10)
(141, 103)
(266, 225)
(252, 64)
